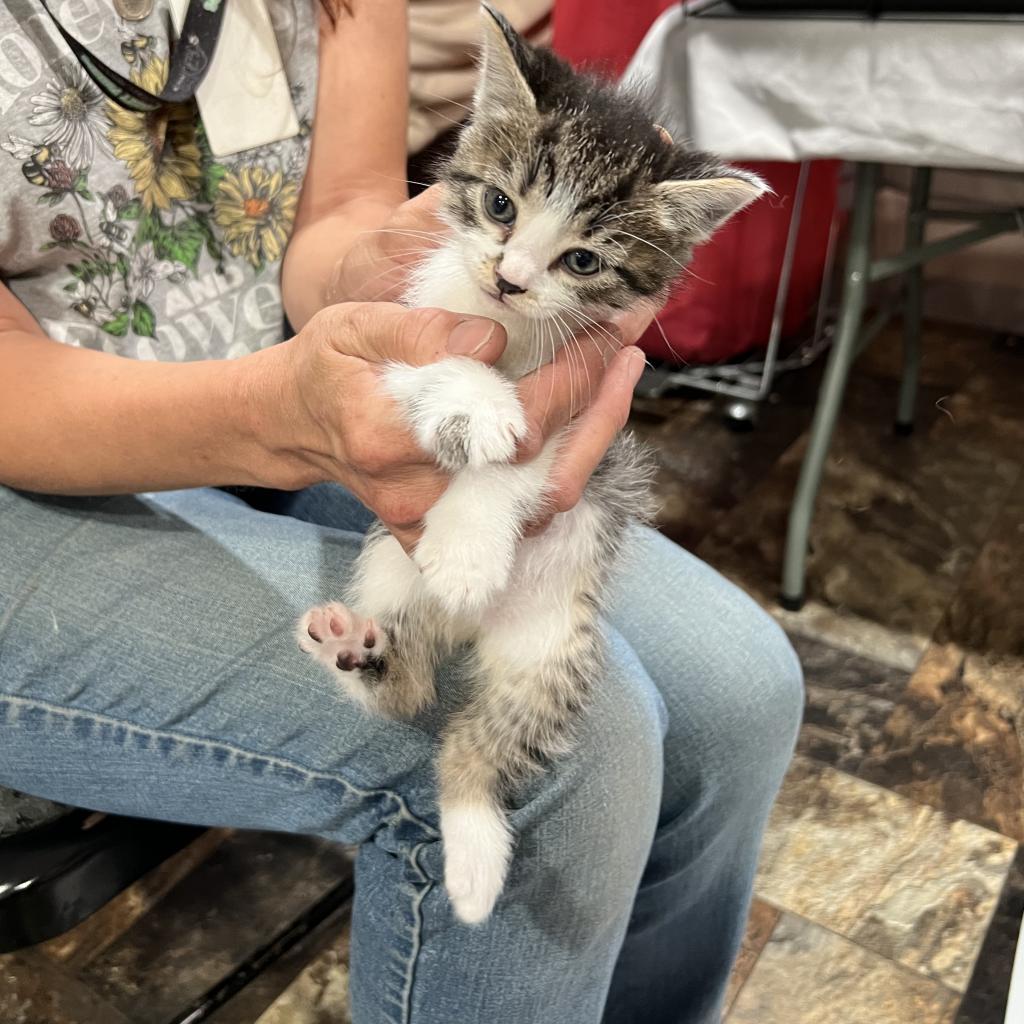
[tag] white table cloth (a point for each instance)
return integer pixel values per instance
(944, 93)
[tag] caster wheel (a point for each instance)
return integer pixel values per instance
(740, 415)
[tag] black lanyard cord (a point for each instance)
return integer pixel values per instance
(189, 62)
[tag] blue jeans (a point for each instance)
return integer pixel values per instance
(148, 667)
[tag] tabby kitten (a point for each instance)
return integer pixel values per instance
(567, 205)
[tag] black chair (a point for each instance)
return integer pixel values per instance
(60, 864)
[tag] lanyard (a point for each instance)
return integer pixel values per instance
(190, 60)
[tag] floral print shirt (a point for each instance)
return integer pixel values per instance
(120, 231)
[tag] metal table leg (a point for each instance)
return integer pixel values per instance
(858, 256)
(917, 215)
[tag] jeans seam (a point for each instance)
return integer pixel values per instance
(417, 932)
(233, 748)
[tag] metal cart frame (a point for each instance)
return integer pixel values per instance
(851, 335)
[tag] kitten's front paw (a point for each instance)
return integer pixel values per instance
(461, 576)
(486, 435)
(462, 412)
(340, 639)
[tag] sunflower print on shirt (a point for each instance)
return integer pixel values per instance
(176, 203)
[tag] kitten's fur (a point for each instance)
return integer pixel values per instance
(586, 168)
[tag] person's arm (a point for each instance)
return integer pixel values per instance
(356, 176)
(75, 421)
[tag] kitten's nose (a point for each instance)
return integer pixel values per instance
(507, 287)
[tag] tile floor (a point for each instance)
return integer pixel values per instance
(891, 885)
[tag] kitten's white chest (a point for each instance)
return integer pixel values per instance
(443, 281)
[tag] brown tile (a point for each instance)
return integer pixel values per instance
(34, 990)
(955, 739)
(85, 942)
(986, 413)
(705, 467)
(986, 615)
(897, 525)
(980, 382)
(762, 920)
(319, 995)
(850, 699)
(985, 999)
(898, 878)
(808, 975)
(243, 894)
(954, 735)
(841, 629)
(950, 353)
(264, 990)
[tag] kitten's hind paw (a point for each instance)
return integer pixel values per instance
(342, 640)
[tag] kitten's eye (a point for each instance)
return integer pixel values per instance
(498, 206)
(581, 262)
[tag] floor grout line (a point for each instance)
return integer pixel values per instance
(903, 968)
(946, 815)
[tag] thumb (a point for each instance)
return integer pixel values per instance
(381, 332)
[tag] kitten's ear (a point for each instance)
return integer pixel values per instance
(504, 60)
(700, 205)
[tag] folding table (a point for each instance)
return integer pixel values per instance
(921, 90)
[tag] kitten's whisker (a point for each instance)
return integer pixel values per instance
(445, 117)
(582, 319)
(586, 369)
(556, 326)
(618, 245)
(492, 126)
(664, 337)
(389, 288)
(549, 336)
(535, 351)
(403, 181)
(645, 207)
(590, 320)
(697, 277)
(658, 248)
(434, 236)
(441, 96)
(577, 347)
(392, 256)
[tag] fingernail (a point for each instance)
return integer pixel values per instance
(469, 336)
(635, 363)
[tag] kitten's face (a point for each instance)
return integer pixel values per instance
(565, 198)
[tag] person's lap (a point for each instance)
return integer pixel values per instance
(148, 666)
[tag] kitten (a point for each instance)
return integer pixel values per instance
(566, 205)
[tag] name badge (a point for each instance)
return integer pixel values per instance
(244, 99)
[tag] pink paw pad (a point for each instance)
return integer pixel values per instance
(340, 638)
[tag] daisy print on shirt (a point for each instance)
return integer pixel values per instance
(152, 225)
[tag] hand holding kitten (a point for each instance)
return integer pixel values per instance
(329, 415)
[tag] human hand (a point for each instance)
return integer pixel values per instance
(376, 267)
(327, 416)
